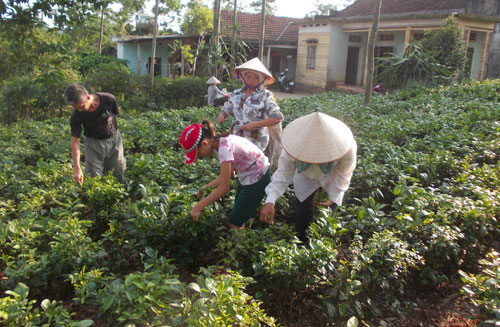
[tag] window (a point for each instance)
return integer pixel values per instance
(472, 36)
(386, 37)
(355, 38)
(311, 57)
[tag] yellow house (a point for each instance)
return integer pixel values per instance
(332, 49)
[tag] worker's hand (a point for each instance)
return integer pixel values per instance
(78, 176)
(195, 213)
(247, 127)
(267, 213)
(221, 118)
(323, 204)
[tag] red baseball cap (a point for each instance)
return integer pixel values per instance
(189, 140)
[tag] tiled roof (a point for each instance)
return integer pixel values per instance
(392, 7)
(277, 29)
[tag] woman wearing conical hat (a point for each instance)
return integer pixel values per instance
(253, 107)
(213, 92)
(319, 151)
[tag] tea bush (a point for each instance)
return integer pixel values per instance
(422, 206)
(17, 309)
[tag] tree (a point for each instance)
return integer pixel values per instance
(325, 8)
(270, 6)
(446, 45)
(22, 15)
(198, 20)
(371, 51)
(437, 58)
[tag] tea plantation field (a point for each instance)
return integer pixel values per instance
(422, 209)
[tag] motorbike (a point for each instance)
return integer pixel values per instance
(285, 83)
(379, 88)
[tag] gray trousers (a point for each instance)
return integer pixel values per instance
(103, 156)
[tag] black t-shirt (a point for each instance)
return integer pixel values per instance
(100, 123)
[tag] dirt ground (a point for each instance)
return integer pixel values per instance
(295, 95)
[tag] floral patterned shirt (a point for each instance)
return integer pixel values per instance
(246, 158)
(260, 105)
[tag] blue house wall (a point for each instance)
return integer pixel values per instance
(129, 53)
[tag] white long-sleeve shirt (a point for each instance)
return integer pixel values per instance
(305, 183)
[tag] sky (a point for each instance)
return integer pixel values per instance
(300, 8)
(284, 8)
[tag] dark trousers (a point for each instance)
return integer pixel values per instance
(304, 216)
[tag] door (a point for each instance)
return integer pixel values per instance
(157, 67)
(351, 72)
(381, 52)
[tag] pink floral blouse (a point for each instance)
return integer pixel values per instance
(246, 158)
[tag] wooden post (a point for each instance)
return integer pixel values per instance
(262, 30)
(233, 36)
(371, 50)
(153, 49)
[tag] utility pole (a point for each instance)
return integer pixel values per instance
(262, 25)
(153, 50)
(371, 50)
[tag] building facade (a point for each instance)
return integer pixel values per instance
(332, 50)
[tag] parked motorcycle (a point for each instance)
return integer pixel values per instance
(379, 88)
(285, 83)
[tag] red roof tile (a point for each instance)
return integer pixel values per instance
(277, 29)
(391, 7)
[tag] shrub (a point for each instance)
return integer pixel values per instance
(90, 62)
(179, 93)
(39, 97)
(17, 310)
(484, 288)
(114, 78)
(436, 59)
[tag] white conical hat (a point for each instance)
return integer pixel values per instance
(213, 80)
(317, 138)
(256, 65)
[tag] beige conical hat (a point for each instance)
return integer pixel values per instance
(317, 138)
(256, 65)
(213, 80)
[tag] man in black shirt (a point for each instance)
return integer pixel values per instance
(96, 113)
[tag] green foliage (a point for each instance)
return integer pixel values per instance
(114, 78)
(484, 288)
(198, 19)
(155, 297)
(91, 62)
(179, 93)
(416, 66)
(17, 309)
(423, 205)
(446, 45)
(217, 58)
(436, 59)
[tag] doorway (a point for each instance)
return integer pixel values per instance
(351, 72)
(381, 52)
(157, 66)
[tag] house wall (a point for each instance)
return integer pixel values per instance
(317, 77)
(493, 60)
(490, 8)
(339, 42)
(129, 53)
